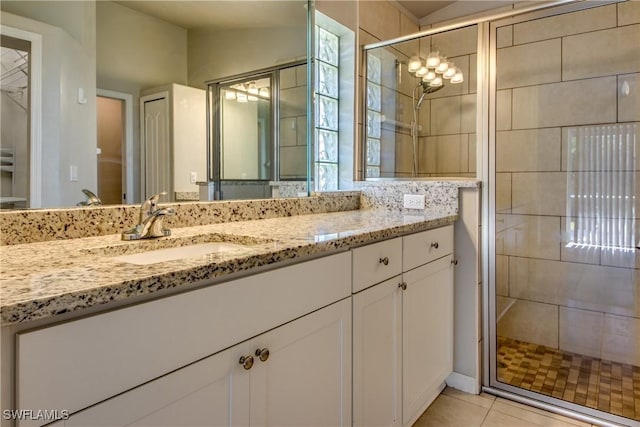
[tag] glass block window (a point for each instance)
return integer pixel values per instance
(374, 107)
(327, 109)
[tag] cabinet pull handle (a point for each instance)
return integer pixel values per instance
(435, 245)
(384, 260)
(263, 354)
(246, 362)
(454, 261)
(403, 286)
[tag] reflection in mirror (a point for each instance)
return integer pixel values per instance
(245, 127)
(15, 112)
(131, 52)
(421, 109)
(259, 134)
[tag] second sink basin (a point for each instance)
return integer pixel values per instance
(173, 254)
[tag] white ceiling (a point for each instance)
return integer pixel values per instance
(432, 11)
(422, 8)
(224, 14)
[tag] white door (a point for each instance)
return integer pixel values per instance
(156, 159)
(306, 380)
(427, 335)
(377, 346)
(211, 392)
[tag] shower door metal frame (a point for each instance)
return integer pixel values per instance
(490, 381)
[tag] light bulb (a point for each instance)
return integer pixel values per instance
(429, 76)
(436, 82)
(415, 63)
(229, 95)
(241, 97)
(421, 72)
(264, 92)
(253, 89)
(451, 71)
(442, 66)
(457, 77)
(433, 60)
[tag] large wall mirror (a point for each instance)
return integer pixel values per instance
(111, 97)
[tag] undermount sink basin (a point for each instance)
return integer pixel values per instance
(153, 251)
(182, 252)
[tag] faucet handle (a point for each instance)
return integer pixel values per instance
(149, 206)
(153, 200)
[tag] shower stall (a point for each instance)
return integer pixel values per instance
(548, 117)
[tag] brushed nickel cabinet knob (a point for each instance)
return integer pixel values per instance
(262, 354)
(246, 362)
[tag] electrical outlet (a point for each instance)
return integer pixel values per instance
(194, 177)
(414, 201)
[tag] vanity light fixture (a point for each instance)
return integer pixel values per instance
(458, 77)
(451, 71)
(437, 82)
(442, 66)
(253, 90)
(264, 92)
(241, 97)
(433, 59)
(433, 71)
(429, 76)
(229, 95)
(421, 72)
(415, 63)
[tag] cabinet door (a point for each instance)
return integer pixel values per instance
(377, 345)
(211, 392)
(306, 381)
(427, 335)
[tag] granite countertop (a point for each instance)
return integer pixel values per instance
(42, 280)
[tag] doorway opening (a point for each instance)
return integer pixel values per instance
(115, 151)
(15, 109)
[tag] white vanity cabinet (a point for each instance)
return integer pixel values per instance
(304, 379)
(377, 355)
(427, 335)
(191, 344)
(403, 331)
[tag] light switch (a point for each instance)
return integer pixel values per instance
(73, 173)
(194, 177)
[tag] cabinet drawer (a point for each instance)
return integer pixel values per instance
(75, 364)
(377, 262)
(424, 247)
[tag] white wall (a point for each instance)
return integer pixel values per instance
(136, 52)
(68, 63)
(240, 136)
(189, 137)
(219, 54)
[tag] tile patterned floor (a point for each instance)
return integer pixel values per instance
(595, 383)
(454, 408)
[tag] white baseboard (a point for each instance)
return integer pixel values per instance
(463, 383)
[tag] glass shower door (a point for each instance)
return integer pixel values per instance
(566, 288)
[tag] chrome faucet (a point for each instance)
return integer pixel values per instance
(92, 199)
(151, 222)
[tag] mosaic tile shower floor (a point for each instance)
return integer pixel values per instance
(599, 384)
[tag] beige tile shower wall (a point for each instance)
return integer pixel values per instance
(293, 122)
(448, 142)
(382, 20)
(556, 75)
